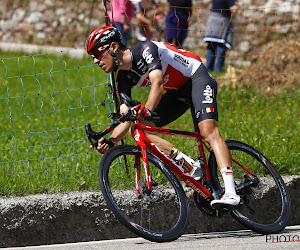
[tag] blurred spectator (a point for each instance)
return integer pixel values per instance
(121, 15)
(159, 23)
(177, 21)
(143, 31)
(218, 33)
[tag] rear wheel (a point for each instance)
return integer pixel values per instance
(265, 206)
(159, 214)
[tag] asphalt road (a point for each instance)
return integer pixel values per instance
(245, 239)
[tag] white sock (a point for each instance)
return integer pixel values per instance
(228, 178)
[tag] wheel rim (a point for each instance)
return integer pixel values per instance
(158, 216)
(264, 204)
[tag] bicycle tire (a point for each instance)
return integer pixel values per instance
(263, 218)
(167, 198)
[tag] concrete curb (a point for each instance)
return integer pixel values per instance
(83, 216)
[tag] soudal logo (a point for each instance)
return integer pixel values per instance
(208, 94)
(147, 56)
(185, 62)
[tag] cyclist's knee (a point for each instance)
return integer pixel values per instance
(209, 130)
(123, 108)
(211, 136)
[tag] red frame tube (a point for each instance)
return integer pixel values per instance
(144, 143)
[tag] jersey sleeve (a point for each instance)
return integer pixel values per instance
(124, 82)
(149, 51)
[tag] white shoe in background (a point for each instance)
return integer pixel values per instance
(139, 36)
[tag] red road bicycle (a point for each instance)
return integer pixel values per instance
(153, 204)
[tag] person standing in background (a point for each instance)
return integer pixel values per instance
(121, 15)
(177, 21)
(219, 34)
(144, 23)
(142, 31)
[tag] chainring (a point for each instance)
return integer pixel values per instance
(204, 206)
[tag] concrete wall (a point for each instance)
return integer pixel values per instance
(66, 23)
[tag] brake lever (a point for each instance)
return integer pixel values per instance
(92, 135)
(92, 143)
(114, 116)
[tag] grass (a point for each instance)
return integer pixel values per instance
(45, 102)
(46, 99)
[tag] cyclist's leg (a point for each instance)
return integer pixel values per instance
(211, 133)
(169, 109)
(204, 94)
(220, 56)
(173, 105)
(210, 56)
(163, 144)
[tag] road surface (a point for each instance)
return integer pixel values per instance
(244, 239)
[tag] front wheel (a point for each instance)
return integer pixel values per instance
(159, 214)
(265, 203)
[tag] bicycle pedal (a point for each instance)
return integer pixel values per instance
(220, 213)
(223, 207)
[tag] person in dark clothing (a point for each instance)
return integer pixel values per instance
(218, 33)
(177, 21)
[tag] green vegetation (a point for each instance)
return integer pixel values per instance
(46, 99)
(45, 102)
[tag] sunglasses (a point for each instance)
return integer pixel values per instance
(98, 52)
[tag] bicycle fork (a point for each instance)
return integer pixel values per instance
(137, 165)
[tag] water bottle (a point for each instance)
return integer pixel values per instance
(182, 162)
(198, 167)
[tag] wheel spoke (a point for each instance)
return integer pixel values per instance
(159, 213)
(265, 204)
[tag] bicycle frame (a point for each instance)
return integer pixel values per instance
(144, 143)
(140, 130)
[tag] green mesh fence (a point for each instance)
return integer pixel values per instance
(45, 101)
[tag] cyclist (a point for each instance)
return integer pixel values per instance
(161, 66)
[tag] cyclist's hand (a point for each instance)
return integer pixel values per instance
(103, 145)
(142, 111)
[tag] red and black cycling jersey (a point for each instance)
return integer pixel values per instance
(185, 78)
(178, 66)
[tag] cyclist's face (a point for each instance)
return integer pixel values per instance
(97, 53)
(103, 59)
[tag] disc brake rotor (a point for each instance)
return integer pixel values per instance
(150, 195)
